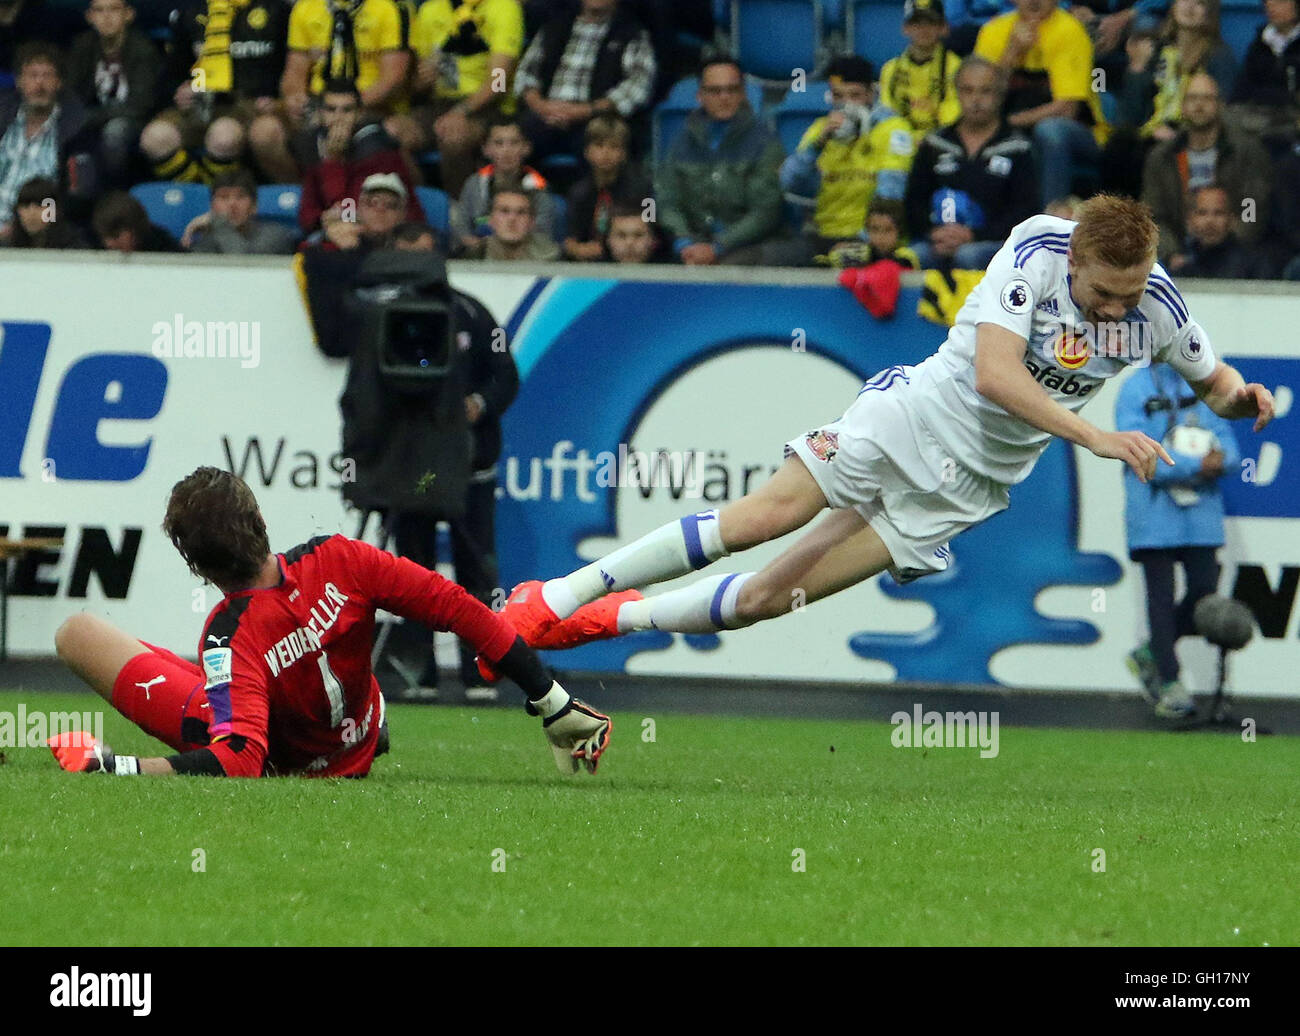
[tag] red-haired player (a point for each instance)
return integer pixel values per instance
(285, 685)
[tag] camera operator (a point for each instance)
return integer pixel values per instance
(491, 384)
(430, 374)
(1177, 518)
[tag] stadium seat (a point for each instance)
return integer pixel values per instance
(172, 205)
(796, 112)
(680, 102)
(437, 210)
(874, 30)
(772, 38)
(1239, 28)
(279, 202)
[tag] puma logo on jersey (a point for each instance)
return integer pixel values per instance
(217, 640)
(145, 686)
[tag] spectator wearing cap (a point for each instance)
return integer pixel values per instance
(122, 225)
(1267, 93)
(861, 150)
(1047, 57)
(1206, 151)
(43, 132)
(719, 186)
(594, 61)
(380, 209)
(230, 227)
(348, 150)
(973, 181)
(40, 219)
(512, 234)
(918, 84)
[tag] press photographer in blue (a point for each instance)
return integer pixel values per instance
(1176, 518)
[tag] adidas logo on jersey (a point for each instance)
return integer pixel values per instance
(1049, 307)
(1051, 378)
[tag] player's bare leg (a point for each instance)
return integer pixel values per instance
(96, 651)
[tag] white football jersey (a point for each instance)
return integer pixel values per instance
(1027, 291)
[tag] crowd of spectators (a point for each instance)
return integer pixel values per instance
(995, 110)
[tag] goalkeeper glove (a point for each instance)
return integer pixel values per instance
(80, 752)
(578, 733)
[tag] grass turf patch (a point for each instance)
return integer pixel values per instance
(466, 834)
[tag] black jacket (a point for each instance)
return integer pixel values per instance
(1230, 260)
(608, 72)
(631, 188)
(141, 64)
(1266, 78)
(1000, 179)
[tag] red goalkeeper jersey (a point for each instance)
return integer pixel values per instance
(287, 668)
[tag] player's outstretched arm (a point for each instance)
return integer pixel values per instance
(1230, 396)
(1001, 378)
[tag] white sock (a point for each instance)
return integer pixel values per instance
(703, 607)
(671, 550)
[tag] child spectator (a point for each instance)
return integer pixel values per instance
(512, 233)
(630, 238)
(231, 228)
(612, 180)
(919, 83)
(114, 70)
(882, 240)
(122, 225)
(40, 219)
(506, 150)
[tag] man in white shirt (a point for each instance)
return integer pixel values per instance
(925, 451)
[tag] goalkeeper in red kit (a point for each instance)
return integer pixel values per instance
(285, 684)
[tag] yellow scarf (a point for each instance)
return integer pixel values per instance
(214, 72)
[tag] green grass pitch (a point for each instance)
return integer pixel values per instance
(687, 839)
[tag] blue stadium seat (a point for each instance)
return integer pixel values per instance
(1239, 28)
(874, 30)
(279, 202)
(771, 38)
(437, 210)
(796, 112)
(680, 102)
(172, 205)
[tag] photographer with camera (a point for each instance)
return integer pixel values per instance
(1176, 518)
(859, 151)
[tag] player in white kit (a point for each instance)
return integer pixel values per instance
(925, 451)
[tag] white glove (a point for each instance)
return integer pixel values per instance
(578, 733)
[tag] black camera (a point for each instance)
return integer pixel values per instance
(404, 424)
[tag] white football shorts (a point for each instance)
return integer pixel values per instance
(881, 460)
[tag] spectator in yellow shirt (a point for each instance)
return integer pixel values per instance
(465, 54)
(919, 84)
(860, 150)
(361, 40)
(1047, 57)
